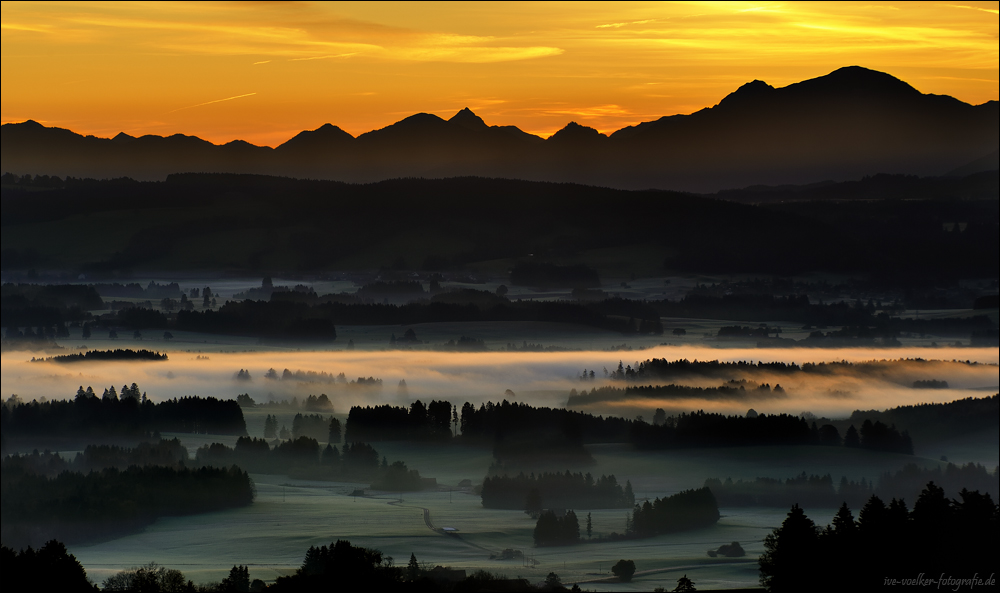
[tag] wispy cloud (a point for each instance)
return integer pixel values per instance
(210, 102)
(323, 57)
(989, 10)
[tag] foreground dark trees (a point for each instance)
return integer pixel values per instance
(938, 539)
(49, 569)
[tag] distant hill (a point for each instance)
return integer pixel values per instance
(254, 223)
(848, 124)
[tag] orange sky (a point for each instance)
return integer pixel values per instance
(264, 71)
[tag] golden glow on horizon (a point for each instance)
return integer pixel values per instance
(263, 72)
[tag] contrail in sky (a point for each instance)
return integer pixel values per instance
(210, 102)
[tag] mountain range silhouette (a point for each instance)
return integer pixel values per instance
(844, 125)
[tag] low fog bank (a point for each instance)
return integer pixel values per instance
(541, 379)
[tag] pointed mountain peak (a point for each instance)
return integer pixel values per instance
(123, 137)
(469, 120)
(324, 136)
(574, 132)
(750, 92)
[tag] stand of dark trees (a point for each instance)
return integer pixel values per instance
(345, 567)
(304, 458)
(45, 305)
(701, 429)
(555, 490)
(931, 421)
(98, 418)
(393, 423)
(661, 369)
(736, 390)
(523, 436)
(797, 308)
(879, 437)
(117, 354)
(134, 290)
(553, 530)
(80, 507)
(165, 453)
(317, 427)
(937, 544)
(50, 569)
(688, 509)
(505, 419)
(819, 491)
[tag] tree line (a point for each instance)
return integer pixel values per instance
(735, 390)
(74, 506)
(303, 457)
(116, 354)
(532, 492)
(686, 510)
(46, 305)
(166, 453)
(88, 416)
(279, 318)
(821, 491)
(707, 429)
(938, 543)
(394, 423)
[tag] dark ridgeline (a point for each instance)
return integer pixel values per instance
(849, 123)
(90, 418)
(487, 218)
(939, 538)
(76, 507)
(532, 493)
(117, 354)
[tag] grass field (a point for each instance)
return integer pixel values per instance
(272, 535)
(290, 515)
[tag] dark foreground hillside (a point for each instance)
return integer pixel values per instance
(247, 223)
